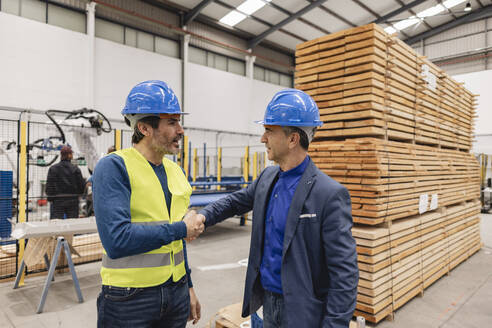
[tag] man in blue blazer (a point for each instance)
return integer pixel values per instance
(302, 264)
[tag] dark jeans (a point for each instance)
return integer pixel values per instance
(273, 311)
(64, 209)
(166, 306)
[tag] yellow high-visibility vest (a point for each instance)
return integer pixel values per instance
(148, 207)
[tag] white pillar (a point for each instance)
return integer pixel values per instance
(250, 62)
(486, 44)
(185, 44)
(91, 22)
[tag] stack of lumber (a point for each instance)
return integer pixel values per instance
(88, 246)
(397, 133)
(398, 263)
(368, 83)
(387, 178)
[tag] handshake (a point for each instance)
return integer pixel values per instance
(195, 224)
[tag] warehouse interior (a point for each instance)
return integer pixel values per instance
(402, 90)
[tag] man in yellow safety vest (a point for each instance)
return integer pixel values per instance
(140, 202)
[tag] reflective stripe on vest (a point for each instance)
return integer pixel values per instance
(148, 207)
(152, 223)
(142, 260)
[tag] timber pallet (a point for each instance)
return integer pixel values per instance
(368, 83)
(399, 261)
(386, 179)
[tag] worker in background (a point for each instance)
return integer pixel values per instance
(302, 263)
(140, 199)
(64, 186)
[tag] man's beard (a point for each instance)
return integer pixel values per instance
(165, 150)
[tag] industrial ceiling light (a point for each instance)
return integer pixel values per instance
(468, 6)
(247, 8)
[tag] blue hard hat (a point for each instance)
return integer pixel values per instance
(152, 97)
(291, 107)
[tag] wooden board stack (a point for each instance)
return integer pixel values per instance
(87, 245)
(386, 178)
(397, 263)
(397, 132)
(368, 83)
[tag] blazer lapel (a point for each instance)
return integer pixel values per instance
(300, 195)
(261, 203)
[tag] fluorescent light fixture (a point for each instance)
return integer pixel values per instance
(250, 6)
(401, 25)
(232, 18)
(390, 30)
(451, 3)
(432, 11)
(245, 9)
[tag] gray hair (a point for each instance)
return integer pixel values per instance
(306, 134)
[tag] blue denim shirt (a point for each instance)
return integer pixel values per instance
(276, 217)
(111, 193)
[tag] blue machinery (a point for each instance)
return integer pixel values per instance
(207, 189)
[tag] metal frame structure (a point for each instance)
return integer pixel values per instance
(195, 13)
(253, 42)
(482, 13)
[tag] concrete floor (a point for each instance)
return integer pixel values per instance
(461, 300)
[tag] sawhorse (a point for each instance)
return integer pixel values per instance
(61, 242)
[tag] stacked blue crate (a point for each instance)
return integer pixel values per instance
(6, 181)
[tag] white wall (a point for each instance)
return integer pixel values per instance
(118, 68)
(226, 101)
(45, 67)
(41, 66)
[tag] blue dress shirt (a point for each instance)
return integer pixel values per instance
(276, 217)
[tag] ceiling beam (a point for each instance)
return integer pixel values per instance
(334, 14)
(191, 15)
(253, 42)
(213, 23)
(447, 9)
(366, 8)
(372, 12)
(481, 13)
(259, 20)
(415, 14)
(305, 21)
(404, 8)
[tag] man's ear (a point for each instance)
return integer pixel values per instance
(144, 128)
(294, 140)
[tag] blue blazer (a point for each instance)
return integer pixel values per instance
(319, 261)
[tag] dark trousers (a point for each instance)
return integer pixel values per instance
(273, 311)
(166, 306)
(64, 209)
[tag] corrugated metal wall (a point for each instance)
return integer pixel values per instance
(449, 49)
(463, 49)
(162, 15)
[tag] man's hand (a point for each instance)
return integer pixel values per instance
(195, 307)
(194, 225)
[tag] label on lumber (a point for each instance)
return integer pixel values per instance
(423, 201)
(434, 202)
(429, 77)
